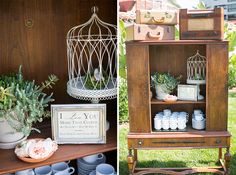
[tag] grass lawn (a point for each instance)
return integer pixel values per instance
(181, 158)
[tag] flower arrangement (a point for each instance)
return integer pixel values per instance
(23, 102)
(36, 148)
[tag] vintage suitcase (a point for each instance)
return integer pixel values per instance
(156, 17)
(201, 24)
(150, 32)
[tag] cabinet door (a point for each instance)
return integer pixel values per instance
(138, 87)
(216, 88)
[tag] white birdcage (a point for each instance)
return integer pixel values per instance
(196, 71)
(91, 53)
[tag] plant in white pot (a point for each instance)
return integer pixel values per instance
(22, 103)
(164, 84)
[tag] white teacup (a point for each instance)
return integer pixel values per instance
(43, 170)
(199, 117)
(167, 112)
(157, 123)
(197, 111)
(25, 172)
(105, 169)
(62, 173)
(62, 167)
(93, 158)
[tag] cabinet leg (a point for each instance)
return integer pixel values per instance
(220, 153)
(227, 158)
(130, 160)
(135, 155)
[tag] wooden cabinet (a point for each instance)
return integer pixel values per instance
(147, 57)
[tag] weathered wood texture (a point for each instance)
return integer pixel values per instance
(217, 89)
(216, 31)
(138, 87)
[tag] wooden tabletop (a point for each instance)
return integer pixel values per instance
(10, 163)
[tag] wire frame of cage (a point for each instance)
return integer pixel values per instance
(196, 69)
(92, 60)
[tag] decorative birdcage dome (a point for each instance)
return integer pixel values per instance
(91, 53)
(196, 69)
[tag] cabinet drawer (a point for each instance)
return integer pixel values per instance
(180, 142)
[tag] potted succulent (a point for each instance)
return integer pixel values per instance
(164, 84)
(22, 103)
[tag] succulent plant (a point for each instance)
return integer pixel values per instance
(23, 102)
(165, 79)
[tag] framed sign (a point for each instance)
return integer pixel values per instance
(79, 123)
(187, 92)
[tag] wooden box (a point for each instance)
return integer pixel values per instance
(156, 17)
(150, 32)
(201, 24)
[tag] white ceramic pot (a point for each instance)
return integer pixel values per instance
(7, 133)
(160, 92)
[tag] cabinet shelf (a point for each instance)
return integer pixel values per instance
(155, 101)
(10, 163)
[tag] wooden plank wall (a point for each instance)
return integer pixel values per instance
(41, 49)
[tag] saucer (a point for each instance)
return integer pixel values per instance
(89, 166)
(93, 173)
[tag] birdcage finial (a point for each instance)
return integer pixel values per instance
(94, 9)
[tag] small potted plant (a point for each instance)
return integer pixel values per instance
(22, 103)
(164, 84)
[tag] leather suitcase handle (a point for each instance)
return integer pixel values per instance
(150, 35)
(158, 20)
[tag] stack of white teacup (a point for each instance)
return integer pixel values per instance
(94, 165)
(167, 120)
(198, 120)
(61, 168)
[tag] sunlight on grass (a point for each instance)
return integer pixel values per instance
(182, 158)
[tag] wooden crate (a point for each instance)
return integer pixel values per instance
(201, 24)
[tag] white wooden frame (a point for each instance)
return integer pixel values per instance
(79, 123)
(187, 92)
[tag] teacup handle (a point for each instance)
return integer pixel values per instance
(71, 170)
(67, 162)
(100, 156)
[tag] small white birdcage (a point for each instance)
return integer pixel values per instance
(196, 71)
(91, 53)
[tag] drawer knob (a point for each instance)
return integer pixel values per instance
(140, 142)
(218, 141)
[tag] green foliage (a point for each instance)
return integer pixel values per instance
(93, 84)
(168, 81)
(22, 102)
(123, 101)
(122, 53)
(201, 6)
(230, 34)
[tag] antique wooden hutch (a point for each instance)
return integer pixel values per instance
(146, 57)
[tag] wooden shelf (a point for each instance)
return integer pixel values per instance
(10, 163)
(155, 101)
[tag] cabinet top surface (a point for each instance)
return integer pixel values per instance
(163, 42)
